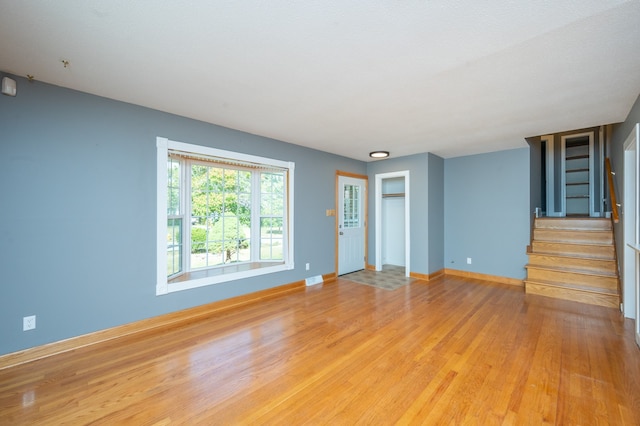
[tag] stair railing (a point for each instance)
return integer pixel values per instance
(612, 191)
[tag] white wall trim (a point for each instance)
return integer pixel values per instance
(162, 286)
(407, 218)
(563, 169)
(163, 146)
(631, 228)
(601, 157)
(549, 178)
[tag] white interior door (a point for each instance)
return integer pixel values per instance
(351, 224)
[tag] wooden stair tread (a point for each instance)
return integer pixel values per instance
(580, 295)
(573, 262)
(572, 270)
(572, 250)
(586, 288)
(570, 256)
(574, 254)
(573, 223)
(589, 236)
(573, 259)
(586, 231)
(573, 243)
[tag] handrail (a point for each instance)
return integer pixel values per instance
(612, 191)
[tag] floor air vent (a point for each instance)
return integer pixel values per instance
(314, 280)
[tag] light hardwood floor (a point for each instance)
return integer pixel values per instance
(451, 351)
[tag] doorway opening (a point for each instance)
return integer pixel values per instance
(572, 174)
(392, 202)
(577, 175)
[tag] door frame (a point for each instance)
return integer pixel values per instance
(365, 202)
(549, 178)
(631, 226)
(563, 168)
(407, 216)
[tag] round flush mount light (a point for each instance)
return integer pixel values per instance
(379, 154)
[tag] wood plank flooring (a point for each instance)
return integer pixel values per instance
(451, 351)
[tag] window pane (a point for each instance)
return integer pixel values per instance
(199, 204)
(277, 205)
(227, 208)
(205, 198)
(221, 215)
(174, 246)
(230, 205)
(265, 204)
(198, 239)
(351, 218)
(271, 211)
(173, 203)
(271, 194)
(271, 238)
(231, 181)
(244, 209)
(199, 177)
(173, 187)
(244, 183)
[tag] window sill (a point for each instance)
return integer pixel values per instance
(222, 270)
(223, 274)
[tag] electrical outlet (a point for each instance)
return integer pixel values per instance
(29, 323)
(468, 261)
(307, 266)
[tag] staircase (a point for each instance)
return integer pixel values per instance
(574, 259)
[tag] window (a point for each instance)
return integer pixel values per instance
(352, 205)
(221, 216)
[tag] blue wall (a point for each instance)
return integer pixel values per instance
(78, 236)
(417, 165)
(426, 177)
(616, 152)
(77, 223)
(436, 213)
(487, 212)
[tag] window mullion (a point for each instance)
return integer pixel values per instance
(185, 206)
(285, 218)
(255, 216)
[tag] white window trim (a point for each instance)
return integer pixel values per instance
(163, 286)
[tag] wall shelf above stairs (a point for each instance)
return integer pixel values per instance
(574, 259)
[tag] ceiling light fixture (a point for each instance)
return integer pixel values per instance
(379, 154)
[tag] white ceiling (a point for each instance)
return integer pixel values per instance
(347, 77)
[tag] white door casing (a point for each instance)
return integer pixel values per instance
(631, 223)
(351, 224)
(563, 169)
(550, 176)
(407, 224)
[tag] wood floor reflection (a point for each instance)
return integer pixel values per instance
(451, 351)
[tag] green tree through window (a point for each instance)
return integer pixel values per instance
(222, 216)
(217, 215)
